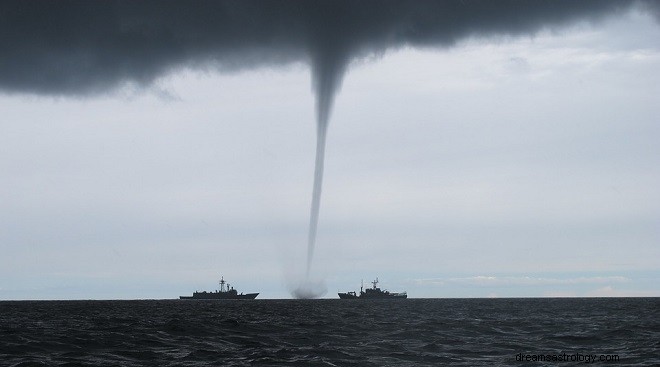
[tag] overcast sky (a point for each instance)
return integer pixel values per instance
(510, 159)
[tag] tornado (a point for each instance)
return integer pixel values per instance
(328, 69)
(327, 74)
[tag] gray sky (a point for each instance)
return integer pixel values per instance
(504, 161)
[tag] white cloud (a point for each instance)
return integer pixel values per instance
(559, 294)
(505, 281)
(609, 291)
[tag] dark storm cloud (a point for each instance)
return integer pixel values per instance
(82, 47)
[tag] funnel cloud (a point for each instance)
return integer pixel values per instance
(80, 48)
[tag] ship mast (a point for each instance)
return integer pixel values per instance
(222, 284)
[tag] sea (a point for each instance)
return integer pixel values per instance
(332, 332)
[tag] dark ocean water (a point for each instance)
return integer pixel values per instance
(413, 332)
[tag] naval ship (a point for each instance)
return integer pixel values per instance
(227, 292)
(373, 293)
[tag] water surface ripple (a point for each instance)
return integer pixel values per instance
(413, 332)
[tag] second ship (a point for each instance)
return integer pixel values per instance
(373, 293)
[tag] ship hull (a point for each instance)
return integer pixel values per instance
(220, 296)
(385, 296)
(363, 296)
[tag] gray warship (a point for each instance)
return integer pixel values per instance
(373, 293)
(223, 293)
